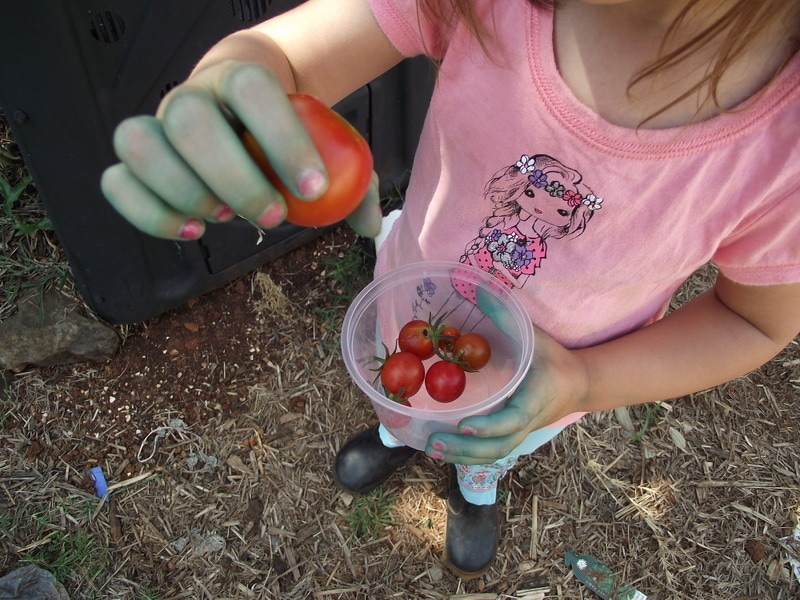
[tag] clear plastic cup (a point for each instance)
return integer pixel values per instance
(469, 299)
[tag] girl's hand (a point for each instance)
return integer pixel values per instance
(695, 347)
(187, 164)
(555, 386)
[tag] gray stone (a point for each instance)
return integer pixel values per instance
(31, 583)
(53, 334)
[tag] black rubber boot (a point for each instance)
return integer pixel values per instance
(364, 462)
(472, 534)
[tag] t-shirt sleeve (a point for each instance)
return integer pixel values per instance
(408, 28)
(765, 251)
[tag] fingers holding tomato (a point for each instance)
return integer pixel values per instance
(367, 219)
(347, 159)
(158, 189)
(189, 164)
(280, 125)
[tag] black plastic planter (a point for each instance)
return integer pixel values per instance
(70, 70)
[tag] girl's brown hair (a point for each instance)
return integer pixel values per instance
(734, 30)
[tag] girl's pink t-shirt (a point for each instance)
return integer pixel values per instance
(595, 226)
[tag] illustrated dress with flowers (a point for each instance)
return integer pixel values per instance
(534, 200)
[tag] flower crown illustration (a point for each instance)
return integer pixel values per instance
(555, 188)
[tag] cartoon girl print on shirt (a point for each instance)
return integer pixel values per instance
(534, 200)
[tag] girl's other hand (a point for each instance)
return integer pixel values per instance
(555, 386)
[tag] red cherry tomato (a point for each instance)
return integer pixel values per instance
(344, 152)
(445, 381)
(447, 336)
(402, 375)
(392, 419)
(414, 337)
(472, 349)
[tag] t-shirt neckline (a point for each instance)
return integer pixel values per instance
(592, 129)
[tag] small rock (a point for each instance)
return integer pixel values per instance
(526, 566)
(53, 333)
(179, 545)
(31, 583)
(210, 543)
(435, 574)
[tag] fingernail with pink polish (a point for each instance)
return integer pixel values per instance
(273, 216)
(311, 182)
(468, 431)
(224, 213)
(191, 230)
(435, 455)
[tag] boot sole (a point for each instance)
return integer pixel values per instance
(466, 575)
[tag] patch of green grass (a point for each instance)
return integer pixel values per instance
(10, 195)
(6, 521)
(21, 272)
(502, 495)
(64, 551)
(6, 404)
(650, 412)
(369, 514)
(68, 552)
(145, 594)
(346, 275)
(30, 258)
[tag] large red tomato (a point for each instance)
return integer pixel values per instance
(347, 158)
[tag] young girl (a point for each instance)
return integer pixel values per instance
(681, 117)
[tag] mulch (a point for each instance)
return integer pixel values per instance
(682, 500)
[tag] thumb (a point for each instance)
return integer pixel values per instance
(494, 308)
(366, 218)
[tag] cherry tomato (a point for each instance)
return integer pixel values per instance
(447, 336)
(392, 419)
(445, 381)
(472, 349)
(347, 158)
(402, 374)
(415, 337)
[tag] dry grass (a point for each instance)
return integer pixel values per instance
(256, 515)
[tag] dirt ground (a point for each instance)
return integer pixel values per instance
(216, 425)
